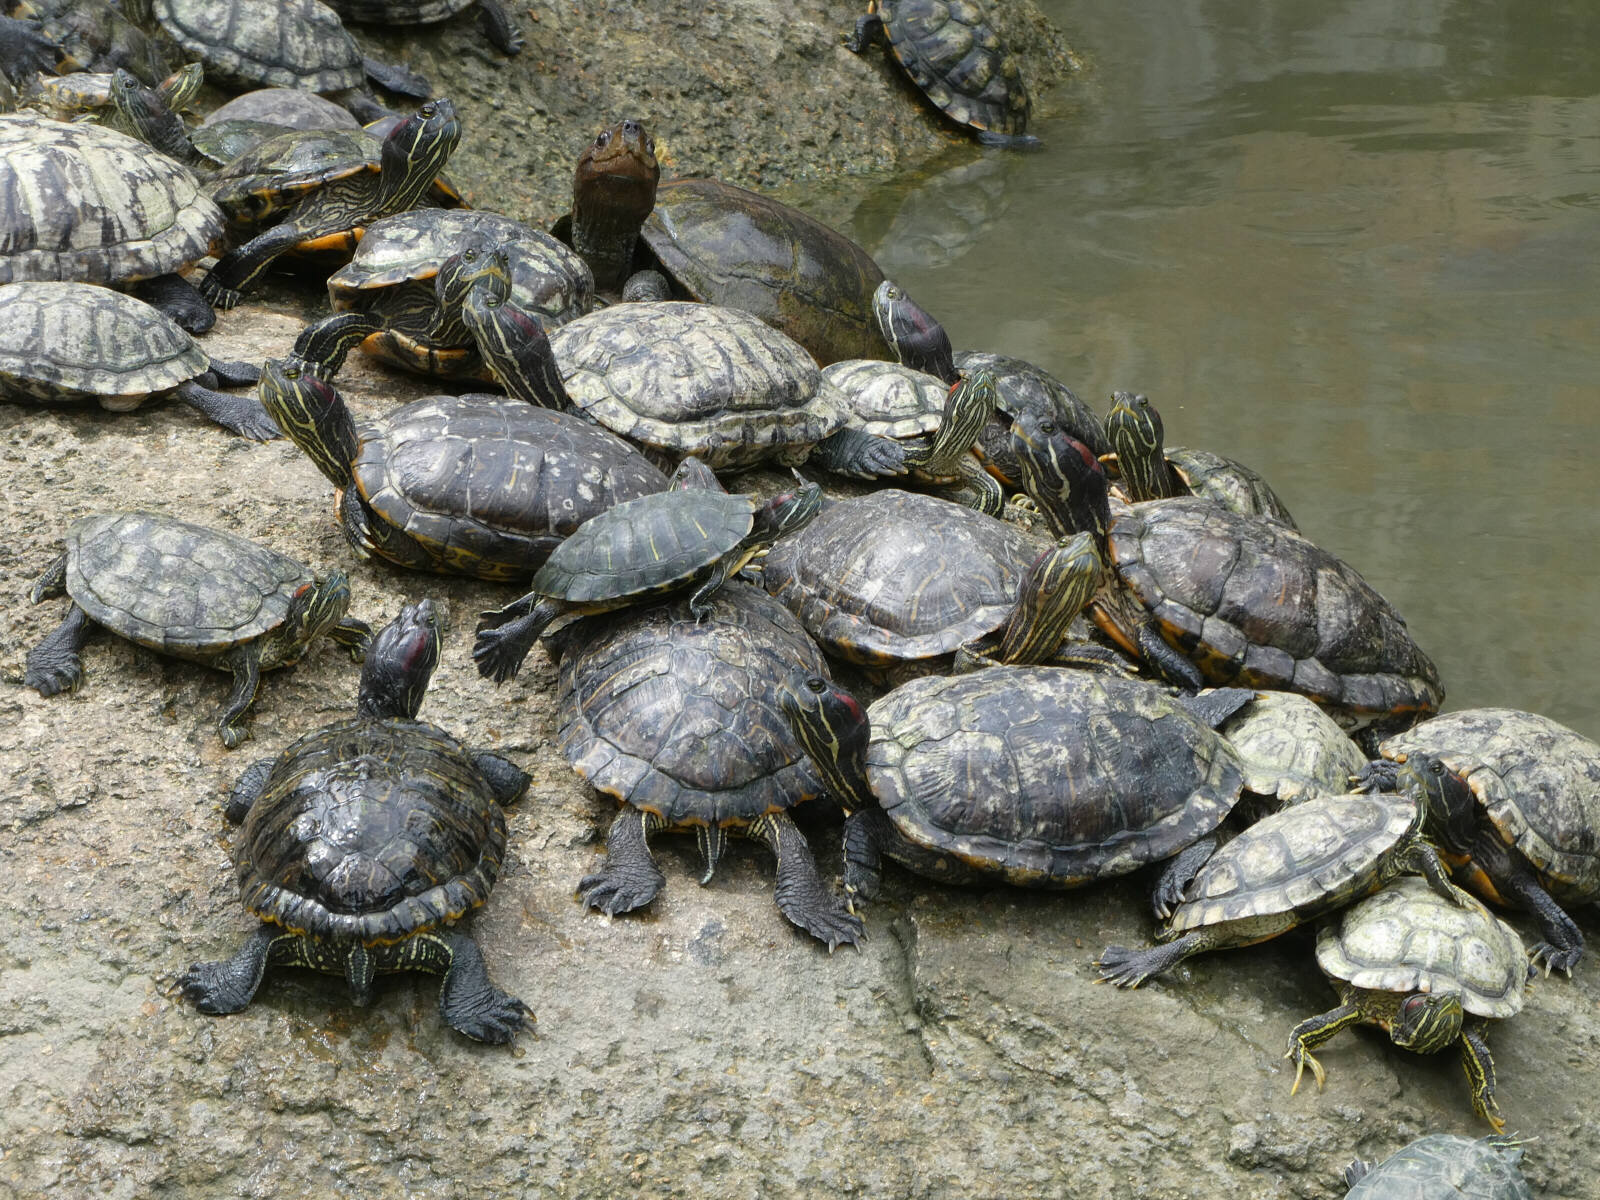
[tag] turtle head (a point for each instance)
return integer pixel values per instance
(917, 340)
(1133, 427)
(1062, 476)
(1427, 1022)
(617, 176)
(470, 270)
(413, 154)
(831, 727)
(1449, 810)
(513, 344)
(693, 475)
(400, 663)
(1057, 587)
(313, 416)
(785, 513)
(967, 409)
(316, 608)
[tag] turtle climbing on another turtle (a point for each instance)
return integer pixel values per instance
(1443, 1166)
(362, 840)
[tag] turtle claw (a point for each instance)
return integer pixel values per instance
(1548, 957)
(497, 654)
(218, 294)
(612, 891)
(1122, 966)
(496, 1021)
(63, 676)
(1303, 1058)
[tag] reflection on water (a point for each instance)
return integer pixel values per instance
(1351, 244)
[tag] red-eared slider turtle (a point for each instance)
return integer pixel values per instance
(1148, 469)
(1533, 788)
(1065, 777)
(465, 485)
(1443, 1166)
(673, 711)
(195, 593)
(667, 542)
(1287, 869)
(1291, 749)
(72, 342)
(86, 35)
(413, 154)
(493, 19)
(958, 61)
(476, 291)
(362, 840)
(292, 108)
(1429, 972)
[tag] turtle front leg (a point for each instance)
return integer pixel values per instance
(243, 415)
(868, 30)
(1479, 1066)
(224, 284)
(248, 789)
(630, 878)
(1516, 881)
(52, 581)
(497, 26)
(245, 663)
(1178, 874)
(354, 635)
(469, 1002)
(1420, 858)
(53, 666)
(801, 895)
(866, 832)
(1312, 1032)
(228, 985)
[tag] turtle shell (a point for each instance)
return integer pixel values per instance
(489, 485)
(697, 379)
(94, 36)
(293, 108)
(82, 202)
(401, 12)
(1407, 938)
(1305, 860)
(1538, 781)
(1255, 604)
(951, 53)
(370, 831)
(1446, 1166)
(255, 43)
(1291, 749)
(1047, 777)
(77, 341)
(680, 717)
(897, 576)
(888, 399)
(1228, 482)
(725, 245)
(275, 173)
(182, 589)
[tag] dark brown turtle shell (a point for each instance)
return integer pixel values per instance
(954, 55)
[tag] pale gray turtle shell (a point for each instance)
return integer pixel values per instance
(888, 399)
(254, 43)
(699, 379)
(1321, 853)
(66, 342)
(1291, 748)
(1538, 781)
(1446, 1166)
(82, 202)
(182, 589)
(1408, 938)
(1229, 483)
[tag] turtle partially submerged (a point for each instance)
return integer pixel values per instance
(1443, 1166)
(195, 593)
(1430, 972)
(362, 840)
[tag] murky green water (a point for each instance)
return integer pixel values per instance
(1352, 244)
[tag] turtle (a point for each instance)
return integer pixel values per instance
(412, 155)
(666, 542)
(195, 593)
(362, 840)
(493, 19)
(1148, 469)
(1062, 776)
(291, 108)
(673, 711)
(510, 340)
(152, 114)
(1443, 1166)
(83, 203)
(70, 342)
(959, 63)
(1428, 971)
(473, 485)
(1289, 868)
(1291, 749)
(1532, 788)
(86, 35)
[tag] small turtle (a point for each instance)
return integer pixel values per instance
(666, 542)
(493, 19)
(673, 711)
(510, 340)
(90, 35)
(958, 61)
(1532, 789)
(195, 593)
(152, 114)
(1429, 971)
(473, 485)
(1443, 1166)
(1291, 749)
(362, 839)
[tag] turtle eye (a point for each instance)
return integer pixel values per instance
(1048, 428)
(1436, 767)
(817, 684)
(427, 110)
(291, 372)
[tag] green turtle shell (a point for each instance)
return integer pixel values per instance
(370, 831)
(182, 589)
(1407, 938)
(898, 576)
(1228, 482)
(1538, 781)
(490, 486)
(77, 341)
(86, 203)
(888, 399)
(1047, 777)
(956, 58)
(679, 717)
(256, 43)
(1291, 749)
(697, 379)
(1446, 1166)
(278, 171)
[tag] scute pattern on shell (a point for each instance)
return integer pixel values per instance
(952, 54)
(680, 718)
(1052, 776)
(1407, 938)
(370, 831)
(1024, 387)
(1229, 483)
(279, 170)
(82, 202)
(175, 587)
(252, 43)
(401, 12)
(697, 379)
(1445, 1165)
(1291, 749)
(888, 399)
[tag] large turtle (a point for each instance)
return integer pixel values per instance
(1428, 971)
(493, 19)
(195, 593)
(1443, 1166)
(1532, 786)
(464, 485)
(363, 839)
(674, 712)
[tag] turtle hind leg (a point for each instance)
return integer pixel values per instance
(500, 646)
(1129, 968)
(630, 878)
(53, 666)
(801, 895)
(228, 985)
(1479, 1066)
(869, 29)
(469, 1002)
(52, 581)
(498, 27)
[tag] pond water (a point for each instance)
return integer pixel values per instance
(1351, 244)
